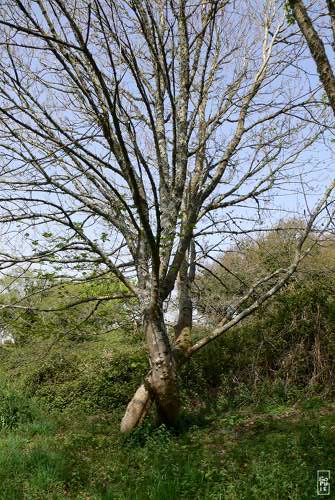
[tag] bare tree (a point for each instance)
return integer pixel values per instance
(131, 130)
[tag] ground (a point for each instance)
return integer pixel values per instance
(264, 450)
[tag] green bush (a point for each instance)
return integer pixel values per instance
(15, 409)
(287, 347)
(65, 382)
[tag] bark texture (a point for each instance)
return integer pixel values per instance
(316, 46)
(137, 409)
(183, 328)
(163, 380)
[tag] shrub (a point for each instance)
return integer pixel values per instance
(64, 381)
(15, 409)
(288, 345)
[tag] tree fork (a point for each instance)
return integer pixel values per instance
(139, 406)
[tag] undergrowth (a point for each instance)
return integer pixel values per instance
(59, 437)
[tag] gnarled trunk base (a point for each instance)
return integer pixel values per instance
(161, 385)
(163, 380)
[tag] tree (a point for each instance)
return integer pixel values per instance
(133, 130)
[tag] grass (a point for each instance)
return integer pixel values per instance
(241, 455)
(71, 447)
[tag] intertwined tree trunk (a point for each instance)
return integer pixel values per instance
(163, 379)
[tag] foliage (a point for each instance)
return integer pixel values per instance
(35, 294)
(15, 409)
(226, 280)
(239, 441)
(289, 340)
(64, 382)
(241, 455)
(98, 374)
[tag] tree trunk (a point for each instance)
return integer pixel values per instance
(183, 328)
(317, 47)
(137, 409)
(162, 380)
(161, 383)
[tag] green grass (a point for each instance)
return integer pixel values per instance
(59, 437)
(241, 455)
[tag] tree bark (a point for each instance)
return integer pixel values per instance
(162, 383)
(137, 409)
(316, 47)
(183, 328)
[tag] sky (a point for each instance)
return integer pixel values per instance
(313, 172)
